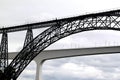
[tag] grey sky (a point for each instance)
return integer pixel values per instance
(15, 12)
(98, 67)
(26, 11)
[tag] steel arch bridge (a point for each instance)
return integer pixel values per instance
(57, 29)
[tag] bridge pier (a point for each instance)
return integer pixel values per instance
(38, 69)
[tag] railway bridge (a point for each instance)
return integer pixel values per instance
(56, 30)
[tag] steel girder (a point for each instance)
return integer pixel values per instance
(56, 32)
(29, 37)
(53, 22)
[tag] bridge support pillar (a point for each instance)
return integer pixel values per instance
(38, 70)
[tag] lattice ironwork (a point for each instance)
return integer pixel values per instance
(55, 32)
(57, 29)
(53, 22)
(29, 37)
(4, 51)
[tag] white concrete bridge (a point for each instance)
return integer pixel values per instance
(52, 54)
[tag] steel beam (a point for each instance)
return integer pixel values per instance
(29, 37)
(55, 33)
(51, 23)
(57, 30)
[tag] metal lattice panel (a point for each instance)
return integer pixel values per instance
(53, 22)
(57, 29)
(56, 32)
(29, 37)
(4, 51)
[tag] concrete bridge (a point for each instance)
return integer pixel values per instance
(62, 53)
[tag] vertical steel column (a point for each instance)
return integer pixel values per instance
(29, 37)
(4, 51)
(10, 70)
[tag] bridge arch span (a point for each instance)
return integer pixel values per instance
(56, 32)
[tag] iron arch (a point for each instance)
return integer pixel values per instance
(58, 31)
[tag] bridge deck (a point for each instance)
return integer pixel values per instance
(52, 54)
(53, 22)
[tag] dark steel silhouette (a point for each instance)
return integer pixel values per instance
(57, 29)
(4, 51)
(29, 37)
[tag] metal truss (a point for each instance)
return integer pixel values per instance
(58, 31)
(4, 51)
(53, 22)
(29, 37)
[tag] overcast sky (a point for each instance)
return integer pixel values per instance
(15, 12)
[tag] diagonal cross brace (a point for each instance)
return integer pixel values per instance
(54, 33)
(29, 37)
